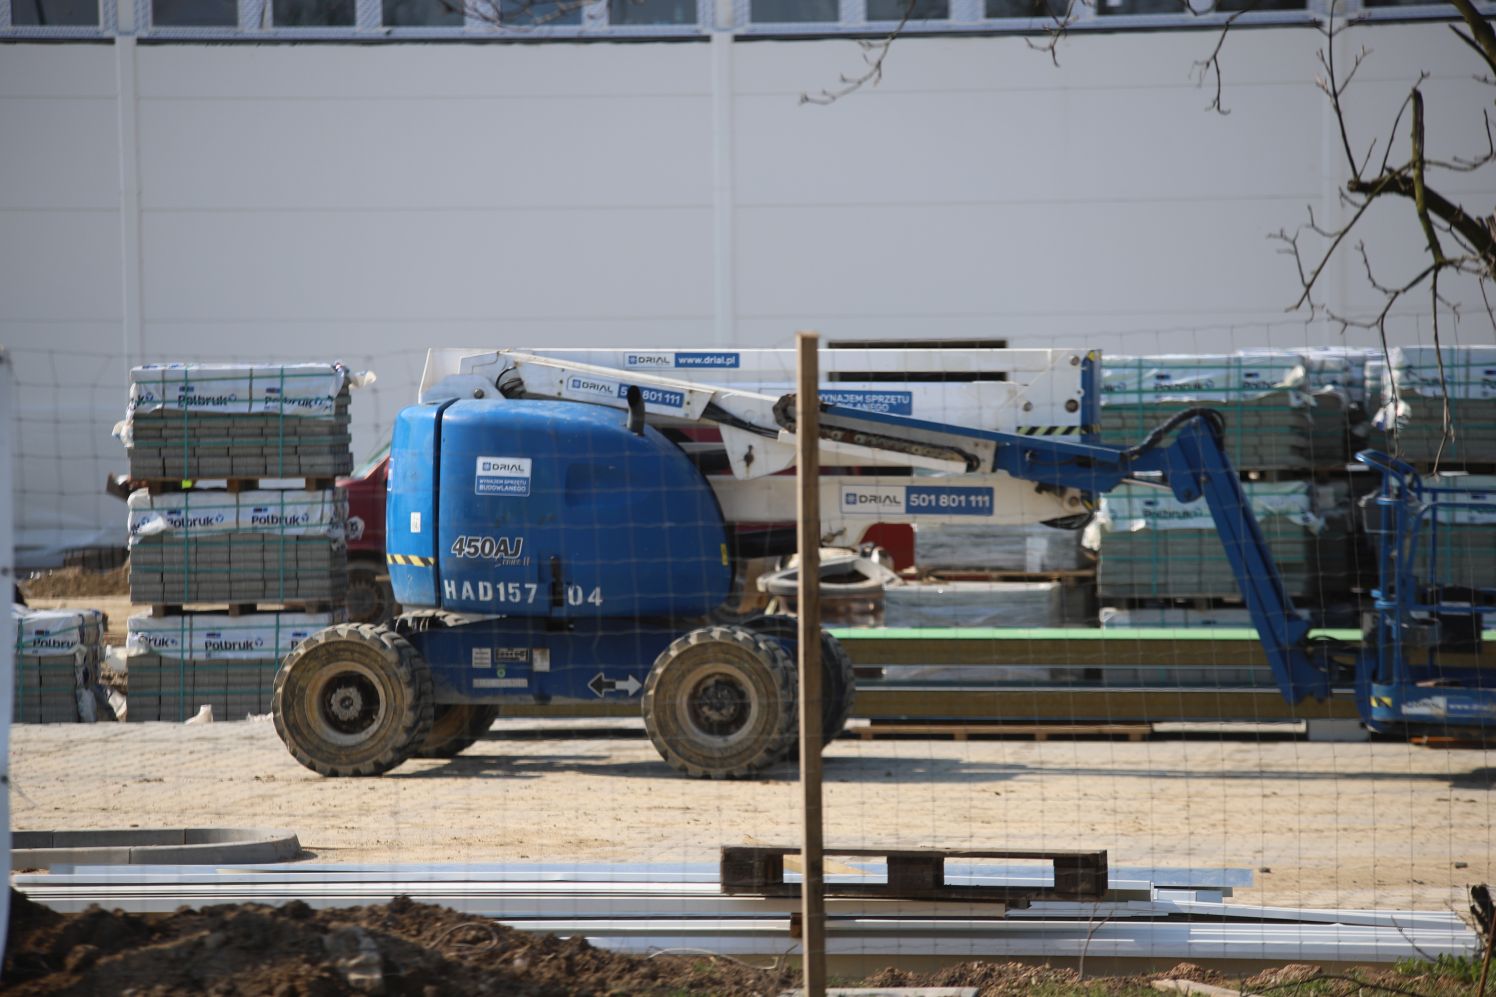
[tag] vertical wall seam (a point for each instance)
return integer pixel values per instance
(131, 290)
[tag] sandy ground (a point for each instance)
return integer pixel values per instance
(1323, 824)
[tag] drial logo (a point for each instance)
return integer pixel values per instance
(719, 360)
(648, 360)
(591, 386)
(502, 476)
(871, 501)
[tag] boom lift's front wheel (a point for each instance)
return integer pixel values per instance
(720, 702)
(353, 699)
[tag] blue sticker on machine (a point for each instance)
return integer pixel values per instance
(707, 360)
(945, 500)
(656, 396)
(887, 402)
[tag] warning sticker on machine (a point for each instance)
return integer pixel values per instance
(890, 402)
(502, 476)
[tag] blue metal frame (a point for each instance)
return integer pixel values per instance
(1401, 681)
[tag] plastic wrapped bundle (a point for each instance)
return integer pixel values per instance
(58, 653)
(244, 547)
(1153, 547)
(1412, 404)
(178, 664)
(195, 421)
(1265, 397)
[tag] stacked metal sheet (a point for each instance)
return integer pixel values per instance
(1416, 383)
(176, 665)
(1030, 549)
(974, 604)
(195, 421)
(57, 665)
(1266, 398)
(1154, 547)
(238, 547)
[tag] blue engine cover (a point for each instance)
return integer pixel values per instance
(548, 509)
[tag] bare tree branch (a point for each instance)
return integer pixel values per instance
(873, 54)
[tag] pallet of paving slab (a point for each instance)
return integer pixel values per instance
(916, 874)
(968, 731)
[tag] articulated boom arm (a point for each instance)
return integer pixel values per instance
(1193, 466)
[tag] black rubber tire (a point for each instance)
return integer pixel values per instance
(838, 681)
(455, 728)
(370, 598)
(720, 703)
(353, 700)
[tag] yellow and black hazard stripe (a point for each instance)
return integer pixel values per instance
(1056, 430)
(1385, 701)
(411, 560)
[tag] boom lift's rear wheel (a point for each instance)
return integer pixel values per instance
(370, 598)
(456, 726)
(720, 702)
(353, 699)
(837, 679)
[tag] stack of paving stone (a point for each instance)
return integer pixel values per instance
(58, 653)
(1413, 389)
(196, 421)
(1155, 548)
(1266, 398)
(177, 665)
(208, 546)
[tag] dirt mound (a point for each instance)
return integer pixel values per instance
(65, 583)
(398, 948)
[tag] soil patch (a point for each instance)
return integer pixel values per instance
(66, 583)
(408, 948)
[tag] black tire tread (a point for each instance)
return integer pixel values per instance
(406, 668)
(785, 722)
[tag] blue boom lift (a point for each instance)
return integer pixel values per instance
(566, 550)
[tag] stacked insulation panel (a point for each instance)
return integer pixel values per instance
(209, 546)
(1412, 393)
(1266, 398)
(178, 664)
(58, 653)
(1154, 547)
(195, 421)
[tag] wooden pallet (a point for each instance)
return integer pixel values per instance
(1069, 578)
(917, 874)
(1039, 732)
(163, 610)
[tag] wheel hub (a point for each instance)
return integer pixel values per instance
(719, 706)
(350, 704)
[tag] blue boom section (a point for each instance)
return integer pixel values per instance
(550, 510)
(1193, 465)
